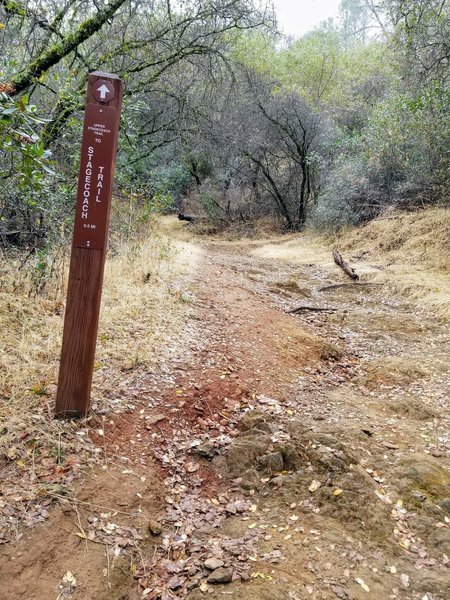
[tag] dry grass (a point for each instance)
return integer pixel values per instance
(407, 251)
(258, 229)
(413, 250)
(144, 299)
(422, 238)
(263, 228)
(31, 325)
(305, 248)
(142, 306)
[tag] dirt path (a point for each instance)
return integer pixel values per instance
(306, 455)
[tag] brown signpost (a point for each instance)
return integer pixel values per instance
(98, 152)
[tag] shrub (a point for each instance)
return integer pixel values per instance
(348, 197)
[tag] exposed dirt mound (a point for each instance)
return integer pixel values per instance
(300, 347)
(424, 479)
(305, 468)
(290, 288)
(393, 371)
(414, 408)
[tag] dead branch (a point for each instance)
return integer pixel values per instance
(344, 266)
(352, 285)
(311, 309)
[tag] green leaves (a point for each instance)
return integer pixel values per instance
(23, 155)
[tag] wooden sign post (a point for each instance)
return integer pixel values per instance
(98, 152)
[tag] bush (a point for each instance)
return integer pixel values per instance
(27, 199)
(35, 217)
(400, 159)
(349, 196)
(407, 141)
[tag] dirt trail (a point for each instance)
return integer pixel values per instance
(308, 455)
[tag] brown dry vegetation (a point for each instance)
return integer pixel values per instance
(422, 237)
(408, 251)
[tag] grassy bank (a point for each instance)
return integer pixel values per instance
(407, 251)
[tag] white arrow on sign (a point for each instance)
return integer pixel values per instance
(103, 91)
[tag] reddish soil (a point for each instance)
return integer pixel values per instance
(238, 348)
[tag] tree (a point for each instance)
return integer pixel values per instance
(353, 21)
(287, 154)
(264, 148)
(143, 41)
(422, 39)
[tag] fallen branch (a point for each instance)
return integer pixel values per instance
(311, 309)
(339, 285)
(344, 266)
(183, 217)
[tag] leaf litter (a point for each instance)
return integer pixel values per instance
(198, 504)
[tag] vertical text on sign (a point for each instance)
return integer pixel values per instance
(91, 215)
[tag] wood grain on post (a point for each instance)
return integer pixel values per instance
(98, 152)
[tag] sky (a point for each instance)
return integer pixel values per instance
(296, 17)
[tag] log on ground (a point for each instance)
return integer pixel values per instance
(344, 266)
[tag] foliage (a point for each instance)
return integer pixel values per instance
(310, 66)
(421, 38)
(400, 159)
(24, 169)
(393, 148)
(222, 116)
(346, 198)
(48, 49)
(23, 156)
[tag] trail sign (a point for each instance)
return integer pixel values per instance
(95, 180)
(98, 151)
